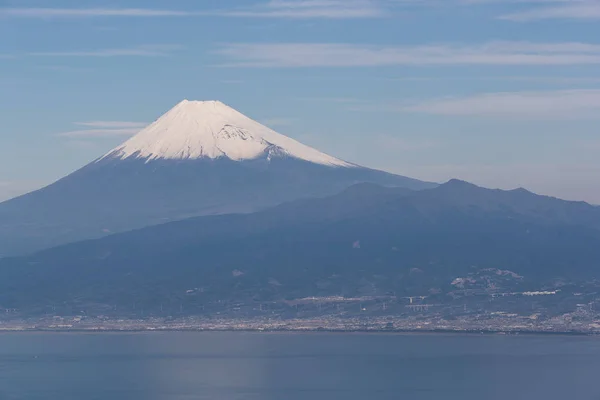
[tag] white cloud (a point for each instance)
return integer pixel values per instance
(545, 9)
(350, 55)
(334, 9)
(574, 10)
(553, 80)
(99, 133)
(101, 129)
(112, 124)
(549, 104)
(89, 12)
(314, 9)
(139, 51)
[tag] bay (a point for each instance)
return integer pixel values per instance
(290, 366)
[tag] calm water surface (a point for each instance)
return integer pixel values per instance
(232, 366)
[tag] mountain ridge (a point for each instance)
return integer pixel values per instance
(151, 179)
(384, 239)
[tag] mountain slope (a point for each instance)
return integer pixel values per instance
(200, 158)
(367, 238)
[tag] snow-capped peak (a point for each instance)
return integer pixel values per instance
(211, 129)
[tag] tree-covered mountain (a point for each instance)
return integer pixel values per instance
(367, 240)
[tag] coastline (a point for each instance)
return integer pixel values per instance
(452, 332)
(333, 324)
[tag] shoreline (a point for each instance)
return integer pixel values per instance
(432, 332)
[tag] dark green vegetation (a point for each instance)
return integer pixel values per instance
(366, 241)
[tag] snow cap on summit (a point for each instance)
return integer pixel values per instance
(211, 129)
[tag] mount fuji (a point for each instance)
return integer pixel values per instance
(199, 158)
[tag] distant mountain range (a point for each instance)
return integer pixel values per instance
(206, 207)
(200, 158)
(366, 240)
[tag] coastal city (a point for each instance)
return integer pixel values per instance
(505, 313)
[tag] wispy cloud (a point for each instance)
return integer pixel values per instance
(154, 50)
(112, 124)
(547, 105)
(350, 55)
(334, 9)
(555, 80)
(89, 12)
(99, 133)
(532, 10)
(317, 9)
(104, 129)
(581, 10)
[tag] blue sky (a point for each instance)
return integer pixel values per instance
(503, 93)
